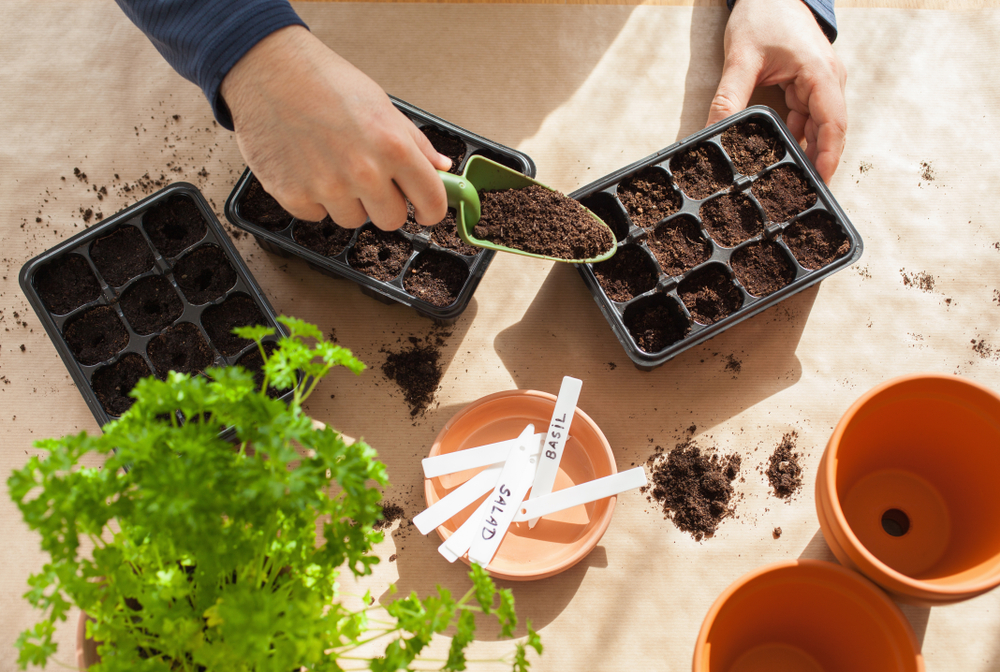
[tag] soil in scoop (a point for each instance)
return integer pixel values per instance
(220, 320)
(122, 255)
(150, 304)
(323, 237)
(447, 144)
(260, 208)
(694, 489)
(710, 295)
(96, 335)
(784, 192)
(205, 274)
(541, 221)
(701, 171)
(656, 324)
(625, 275)
(112, 383)
(784, 473)
(254, 363)
(816, 240)
(731, 219)
(753, 145)
(66, 283)
(649, 196)
(679, 245)
(181, 348)
(436, 278)
(174, 224)
(380, 254)
(417, 370)
(762, 268)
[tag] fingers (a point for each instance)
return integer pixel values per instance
(739, 77)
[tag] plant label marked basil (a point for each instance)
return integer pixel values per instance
(555, 439)
(591, 491)
(471, 458)
(512, 485)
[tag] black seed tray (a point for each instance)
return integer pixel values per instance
(286, 236)
(667, 305)
(103, 328)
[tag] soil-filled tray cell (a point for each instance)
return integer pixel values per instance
(445, 234)
(174, 224)
(816, 240)
(701, 171)
(649, 196)
(436, 277)
(655, 323)
(762, 267)
(784, 192)
(95, 335)
(113, 382)
(254, 363)
(731, 219)
(627, 274)
(66, 284)
(204, 274)
(607, 207)
(445, 143)
(323, 237)
(151, 304)
(180, 348)
(262, 209)
(753, 145)
(679, 245)
(380, 254)
(239, 310)
(121, 256)
(710, 294)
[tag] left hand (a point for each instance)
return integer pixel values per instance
(779, 42)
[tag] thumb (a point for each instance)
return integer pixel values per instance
(437, 159)
(735, 88)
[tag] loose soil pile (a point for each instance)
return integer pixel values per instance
(753, 146)
(649, 196)
(784, 473)
(541, 221)
(122, 255)
(701, 171)
(416, 370)
(391, 512)
(695, 490)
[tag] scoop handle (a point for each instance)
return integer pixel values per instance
(459, 191)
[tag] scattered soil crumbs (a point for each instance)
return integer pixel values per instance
(776, 533)
(921, 281)
(783, 470)
(926, 171)
(694, 489)
(541, 221)
(390, 513)
(417, 370)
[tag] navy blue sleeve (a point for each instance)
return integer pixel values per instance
(822, 10)
(203, 39)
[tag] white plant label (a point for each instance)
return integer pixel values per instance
(555, 439)
(455, 501)
(470, 458)
(591, 491)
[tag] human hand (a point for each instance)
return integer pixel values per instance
(779, 42)
(323, 138)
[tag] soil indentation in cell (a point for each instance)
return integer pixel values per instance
(219, 321)
(731, 219)
(445, 143)
(541, 221)
(753, 145)
(816, 240)
(174, 224)
(784, 192)
(437, 278)
(701, 171)
(261, 208)
(626, 275)
(380, 254)
(66, 283)
(180, 348)
(112, 383)
(324, 237)
(656, 323)
(679, 245)
(122, 255)
(95, 335)
(150, 304)
(763, 267)
(710, 295)
(649, 196)
(205, 274)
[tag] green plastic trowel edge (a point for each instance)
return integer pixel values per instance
(482, 174)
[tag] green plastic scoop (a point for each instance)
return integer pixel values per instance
(481, 174)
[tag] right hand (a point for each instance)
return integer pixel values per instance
(323, 138)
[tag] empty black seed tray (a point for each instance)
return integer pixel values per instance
(156, 287)
(712, 230)
(430, 269)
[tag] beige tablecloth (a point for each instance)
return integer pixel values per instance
(584, 90)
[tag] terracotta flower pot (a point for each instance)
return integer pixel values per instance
(906, 492)
(805, 616)
(86, 649)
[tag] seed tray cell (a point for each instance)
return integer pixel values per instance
(388, 266)
(149, 289)
(711, 231)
